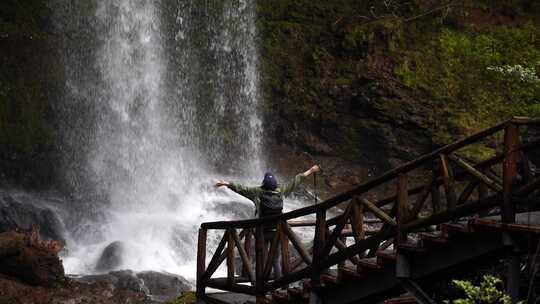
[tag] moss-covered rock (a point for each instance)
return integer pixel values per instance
(376, 82)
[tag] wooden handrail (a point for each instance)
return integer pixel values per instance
(338, 199)
(329, 245)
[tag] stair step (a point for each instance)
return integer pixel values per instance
(328, 279)
(433, 238)
(403, 299)
(411, 247)
(281, 296)
(298, 293)
(370, 264)
(449, 229)
(385, 256)
(346, 274)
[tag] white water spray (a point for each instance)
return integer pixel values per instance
(163, 119)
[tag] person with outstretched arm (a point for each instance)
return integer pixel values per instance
(268, 200)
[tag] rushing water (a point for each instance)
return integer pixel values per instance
(161, 99)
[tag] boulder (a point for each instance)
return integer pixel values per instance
(164, 286)
(15, 214)
(111, 257)
(159, 286)
(32, 260)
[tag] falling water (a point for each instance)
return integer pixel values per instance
(161, 99)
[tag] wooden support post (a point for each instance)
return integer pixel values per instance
(248, 248)
(201, 263)
(259, 264)
(318, 248)
(285, 258)
(511, 142)
(401, 211)
(448, 182)
(230, 257)
(508, 212)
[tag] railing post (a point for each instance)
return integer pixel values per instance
(248, 248)
(318, 244)
(508, 214)
(401, 210)
(260, 251)
(285, 259)
(230, 258)
(448, 180)
(201, 262)
(510, 171)
(402, 262)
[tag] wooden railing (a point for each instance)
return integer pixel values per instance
(469, 189)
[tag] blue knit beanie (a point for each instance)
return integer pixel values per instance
(269, 182)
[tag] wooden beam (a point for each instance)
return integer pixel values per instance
(230, 257)
(201, 262)
(378, 212)
(476, 174)
(285, 257)
(248, 249)
(467, 192)
(448, 182)
(297, 244)
(511, 141)
(246, 259)
(341, 246)
(259, 264)
(337, 232)
(218, 258)
(402, 202)
(318, 248)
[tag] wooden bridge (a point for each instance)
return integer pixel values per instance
(445, 212)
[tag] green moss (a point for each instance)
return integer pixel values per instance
(435, 66)
(389, 30)
(187, 297)
(476, 152)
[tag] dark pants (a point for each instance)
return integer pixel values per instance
(269, 235)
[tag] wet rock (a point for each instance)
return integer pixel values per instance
(164, 286)
(159, 286)
(16, 214)
(111, 257)
(30, 259)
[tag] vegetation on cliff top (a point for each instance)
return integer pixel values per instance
(448, 68)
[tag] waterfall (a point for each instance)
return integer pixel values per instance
(161, 99)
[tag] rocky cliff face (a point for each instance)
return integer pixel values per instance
(30, 80)
(371, 82)
(380, 82)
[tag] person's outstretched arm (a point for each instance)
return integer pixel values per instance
(298, 179)
(248, 192)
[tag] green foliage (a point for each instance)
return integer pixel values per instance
(459, 69)
(489, 291)
(187, 297)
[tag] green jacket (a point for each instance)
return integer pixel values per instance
(254, 193)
